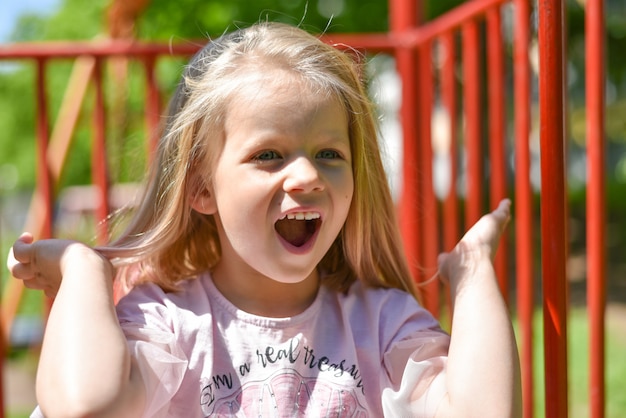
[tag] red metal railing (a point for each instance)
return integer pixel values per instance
(470, 38)
(596, 205)
(523, 200)
(553, 204)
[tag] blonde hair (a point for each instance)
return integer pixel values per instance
(167, 241)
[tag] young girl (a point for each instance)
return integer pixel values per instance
(265, 266)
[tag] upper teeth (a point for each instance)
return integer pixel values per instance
(300, 216)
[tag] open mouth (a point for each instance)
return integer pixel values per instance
(298, 228)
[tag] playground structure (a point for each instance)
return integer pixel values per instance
(429, 224)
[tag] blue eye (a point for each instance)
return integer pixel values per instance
(266, 155)
(328, 154)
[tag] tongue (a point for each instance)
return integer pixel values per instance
(295, 232)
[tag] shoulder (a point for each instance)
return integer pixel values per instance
(386, 301)
(148, 299)
(151, 292)
(394, 312)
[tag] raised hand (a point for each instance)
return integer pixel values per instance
(82, 326)
(480, 242)
(40, 264)
(483, 365)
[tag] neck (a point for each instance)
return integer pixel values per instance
(263, 296)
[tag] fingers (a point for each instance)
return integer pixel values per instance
(23, 265)
(22, 271)
(503, 211)
(19, 259)
(504, 204)
(478, 244)
(21, 251)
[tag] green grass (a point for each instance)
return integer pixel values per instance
(18, 415)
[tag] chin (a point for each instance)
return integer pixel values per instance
(294, 276)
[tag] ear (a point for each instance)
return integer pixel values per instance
(204, 202)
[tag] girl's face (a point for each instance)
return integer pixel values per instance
(282, 186)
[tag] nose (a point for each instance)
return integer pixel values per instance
(302, 175)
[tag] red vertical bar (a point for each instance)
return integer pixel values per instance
(405, 14)
(410, 198)
(429, 216)
(472, 109)
(44, 178)
(451, 221)
(596, 209)
(404, 17)
(497, 154)
(44, 182)
(98, 157)
(451, 227)
(553, 248)
(153, 106)
(523, 200)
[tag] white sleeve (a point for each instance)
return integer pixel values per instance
(147, 325)
(418, 363)
(37, 413)
(161, 364)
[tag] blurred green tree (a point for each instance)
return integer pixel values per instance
(192, 20)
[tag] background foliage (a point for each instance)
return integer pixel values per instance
(192, 20)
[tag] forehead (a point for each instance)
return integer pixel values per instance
(279, 106)
(261, 75)
(272, 88)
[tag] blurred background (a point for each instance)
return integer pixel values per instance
(193, 21)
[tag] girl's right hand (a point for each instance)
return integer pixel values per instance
(40, 264)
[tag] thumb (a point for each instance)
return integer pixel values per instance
(19, 250)
(26, 238)
(23, 242)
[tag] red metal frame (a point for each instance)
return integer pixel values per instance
(473, 121)
(44, 184)
(104, 49)
(153, 105)
(428, 207)
(497, 148)
(99, 168)
(553, 229)
(523, 201)
(596, 204)
(422, 216)
(451, 222)
(404, 17)
(451, 226)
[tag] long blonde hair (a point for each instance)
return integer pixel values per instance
(167, 241)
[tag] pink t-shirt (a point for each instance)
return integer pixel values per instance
(366, 353)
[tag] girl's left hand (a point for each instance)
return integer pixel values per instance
(479, 243)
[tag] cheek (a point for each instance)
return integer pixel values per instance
(342, 181)
(348, 189)
(348, 194)
(241, 204)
